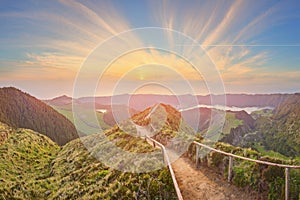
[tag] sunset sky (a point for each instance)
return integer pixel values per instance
(254, 45)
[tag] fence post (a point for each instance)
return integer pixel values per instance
(153, 143)
(197, 156)
(287, 179)
(230, 168)
(164, 158)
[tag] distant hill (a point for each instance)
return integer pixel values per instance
(164, 121)
(20, 110)
(255, 100)
(142, 101)
(85, 112)
(59, 101)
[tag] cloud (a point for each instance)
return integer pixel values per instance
(54, 41)
(65, 35)
(219, 31)
(151, 57)
(218, 27)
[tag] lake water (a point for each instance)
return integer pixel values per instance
(102, 110)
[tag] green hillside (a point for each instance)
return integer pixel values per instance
(82, 127)
(34, 167)
(20, 110)
(25, 164)
(280, 132)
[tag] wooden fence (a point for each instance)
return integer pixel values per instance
(168, 163)
(230, 164)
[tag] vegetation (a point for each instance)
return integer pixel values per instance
(281, 131)
(20, 110)
(165, 122)
(262, 113)
(82, 125)
(268, 131)
(25, 158)
(34, 167)
(258, 147)
(268, 180)
(231, 122)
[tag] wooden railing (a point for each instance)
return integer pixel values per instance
(230, 164)
(168, 163)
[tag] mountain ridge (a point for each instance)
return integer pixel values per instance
(21, 110)
(143, 101)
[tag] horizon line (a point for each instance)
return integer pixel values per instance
(203, 95)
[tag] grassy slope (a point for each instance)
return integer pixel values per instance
(25, 164)
(33, 167)
(280, 131)
(66, 110)
(231, 122)
(269, 153)
(262, 113)
(21, 110)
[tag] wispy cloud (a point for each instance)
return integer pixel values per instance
(225, 24)
(56, 39)
(225, 29)
(66, 39)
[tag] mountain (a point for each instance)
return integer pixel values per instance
(240, 127)
(280, 132)
(163, 121)
(255, 100)
(20, 110)
(34, 167)
(271, 131)
(142, 101)
(85, 113)
(59, 101)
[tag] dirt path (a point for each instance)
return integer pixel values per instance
(204, 184)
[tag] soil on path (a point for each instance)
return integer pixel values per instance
(205, 184)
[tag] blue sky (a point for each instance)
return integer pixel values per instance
(254, 45)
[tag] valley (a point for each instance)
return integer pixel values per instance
(36, 165)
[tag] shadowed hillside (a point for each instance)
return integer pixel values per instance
(20, 110)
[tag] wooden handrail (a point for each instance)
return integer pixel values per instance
(167, 161)
(245, 158)
(231, 156)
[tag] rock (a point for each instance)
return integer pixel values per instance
(48, 192)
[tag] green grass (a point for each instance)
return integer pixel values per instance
(34, 167)
(81, 125)
(269, 153)
(231, 122)
(268, 180)
(25, 159)
(262, 113)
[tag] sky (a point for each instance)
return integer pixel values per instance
(80, 48)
